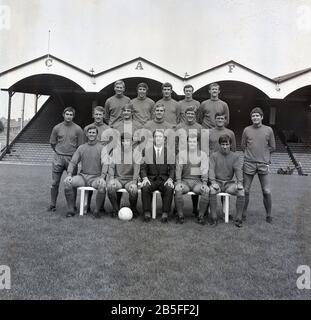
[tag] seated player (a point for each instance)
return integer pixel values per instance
(98, 115)
(124, 175)
(192, 175)
(224, 164)
(92, 173)
(157, 174)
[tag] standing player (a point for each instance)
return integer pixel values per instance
(209, 108)
(224, 165)
(123, 175)
(65, 139)
(127, 125)
(190, 125)
(258, 143)
(172, 114)
(114, 104)
(218, 131)
(92, 173)
(159, 122)
(98, 115)
(192, 175)
(142, 105)
(187, 102)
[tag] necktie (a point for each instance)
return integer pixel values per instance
(158, 153)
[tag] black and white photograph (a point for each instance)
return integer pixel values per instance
(155, 152)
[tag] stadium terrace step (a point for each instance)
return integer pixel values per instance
(302, 154)
(30, 152)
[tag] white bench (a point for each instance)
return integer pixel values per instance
(225, 207)
(83, 197)
(85, 190)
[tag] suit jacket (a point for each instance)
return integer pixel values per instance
(149, 168)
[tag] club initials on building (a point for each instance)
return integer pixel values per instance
(139, 66)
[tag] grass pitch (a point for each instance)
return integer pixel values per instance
(53, 257)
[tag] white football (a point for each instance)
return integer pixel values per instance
(125, 214)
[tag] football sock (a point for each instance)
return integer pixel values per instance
(267, 201)
(240, 201)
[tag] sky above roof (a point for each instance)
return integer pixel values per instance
(271, 37)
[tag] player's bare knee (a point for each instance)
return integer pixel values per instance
(240, 193)
(212, 191)
(111, 187)
(68, 186)
(101, 189)
(55, 184)
(132, 191)
(266, 191)
(178, 187)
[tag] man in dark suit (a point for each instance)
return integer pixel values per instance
(157, 174)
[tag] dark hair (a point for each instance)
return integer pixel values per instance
(167, 84)
(220, 114)
(70, 109)
(188, 86)
(92, 127)
(143, 85)
(224, 138)
(257, 110)
(129, 105)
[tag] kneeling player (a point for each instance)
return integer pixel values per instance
(192, 176)
(123, 175)
(92, 172)
(224, 164)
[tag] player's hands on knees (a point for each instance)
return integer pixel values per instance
(133, 187)
(239, 186)
(169, 182)
(145, 182)
(178, 186)
(68, 181)
(102, 183)
(112, 183)
(204, 188)
(215, 186)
